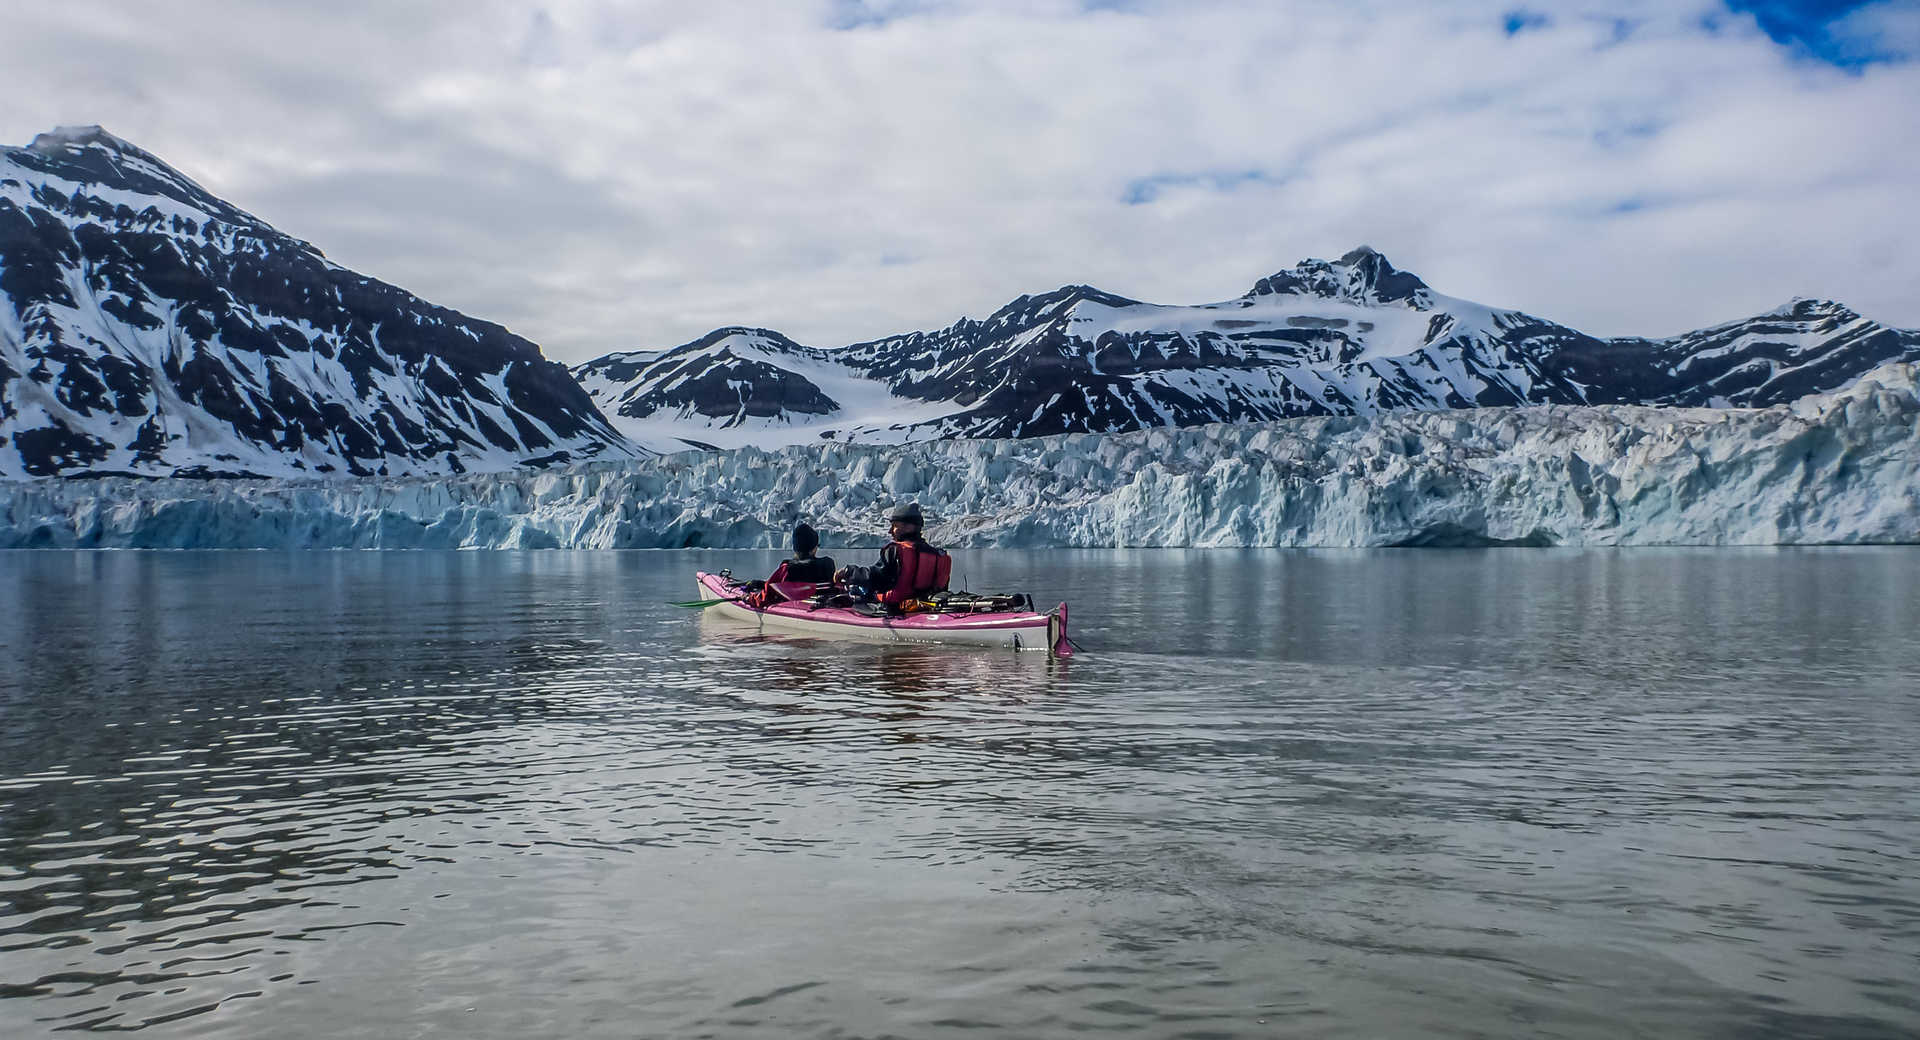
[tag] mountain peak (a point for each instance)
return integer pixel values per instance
(91, 154)
(1362, 275)
(62, 138)
(1811, 307)
(193, 340)
(768, 339)
(96, 150)
(1048, 305)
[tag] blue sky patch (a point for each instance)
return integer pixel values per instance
(1520, 20)
(1626, 134)
(1805, 26)
(863, 14)
(1143, 190)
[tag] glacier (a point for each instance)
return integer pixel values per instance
(1834, 468)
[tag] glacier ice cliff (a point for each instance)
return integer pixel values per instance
(1842, 467)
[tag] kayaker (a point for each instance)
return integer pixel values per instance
(804, 566)
(908, 569)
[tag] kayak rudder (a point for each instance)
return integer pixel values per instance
(1058, 643)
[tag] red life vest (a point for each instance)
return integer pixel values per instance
(923, 570)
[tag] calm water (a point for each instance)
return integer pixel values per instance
(1507, 793)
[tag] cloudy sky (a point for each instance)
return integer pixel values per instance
(602, 176)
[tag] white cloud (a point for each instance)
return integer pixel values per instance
(601, 176)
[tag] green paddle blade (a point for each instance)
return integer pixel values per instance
(702, 604)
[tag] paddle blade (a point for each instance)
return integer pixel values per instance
(702, 604)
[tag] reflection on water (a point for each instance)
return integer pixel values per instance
(1350, 794)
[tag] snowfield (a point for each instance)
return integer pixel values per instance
(1831, 468)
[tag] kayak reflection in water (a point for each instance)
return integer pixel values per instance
(909, 567)
(804, 567)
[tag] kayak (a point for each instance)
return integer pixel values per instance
(1010, 629)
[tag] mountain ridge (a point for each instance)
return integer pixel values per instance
(149, 328)
(1352, 336)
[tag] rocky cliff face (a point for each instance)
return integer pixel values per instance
(147, 327)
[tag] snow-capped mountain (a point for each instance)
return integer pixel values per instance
(1802, 347)
(1354, 336)
(147, 327)
(741, 386)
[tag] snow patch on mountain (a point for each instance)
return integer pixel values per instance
(1829, 469)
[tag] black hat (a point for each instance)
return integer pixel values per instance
(908, 511)
(805, 540)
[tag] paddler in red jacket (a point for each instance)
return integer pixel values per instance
(908, 569)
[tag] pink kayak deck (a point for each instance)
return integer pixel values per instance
(999, 621)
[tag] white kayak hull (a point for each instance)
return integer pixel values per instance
(1009, 630)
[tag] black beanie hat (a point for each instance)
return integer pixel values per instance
(805, 540)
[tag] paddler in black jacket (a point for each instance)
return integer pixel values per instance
(804, 566)
(904, 524)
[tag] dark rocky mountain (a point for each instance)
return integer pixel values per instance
(725, 377)
(737, 386)
(1803, 347)
(1343, 337)
(147, 327)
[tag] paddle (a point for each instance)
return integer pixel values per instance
(702, 604)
